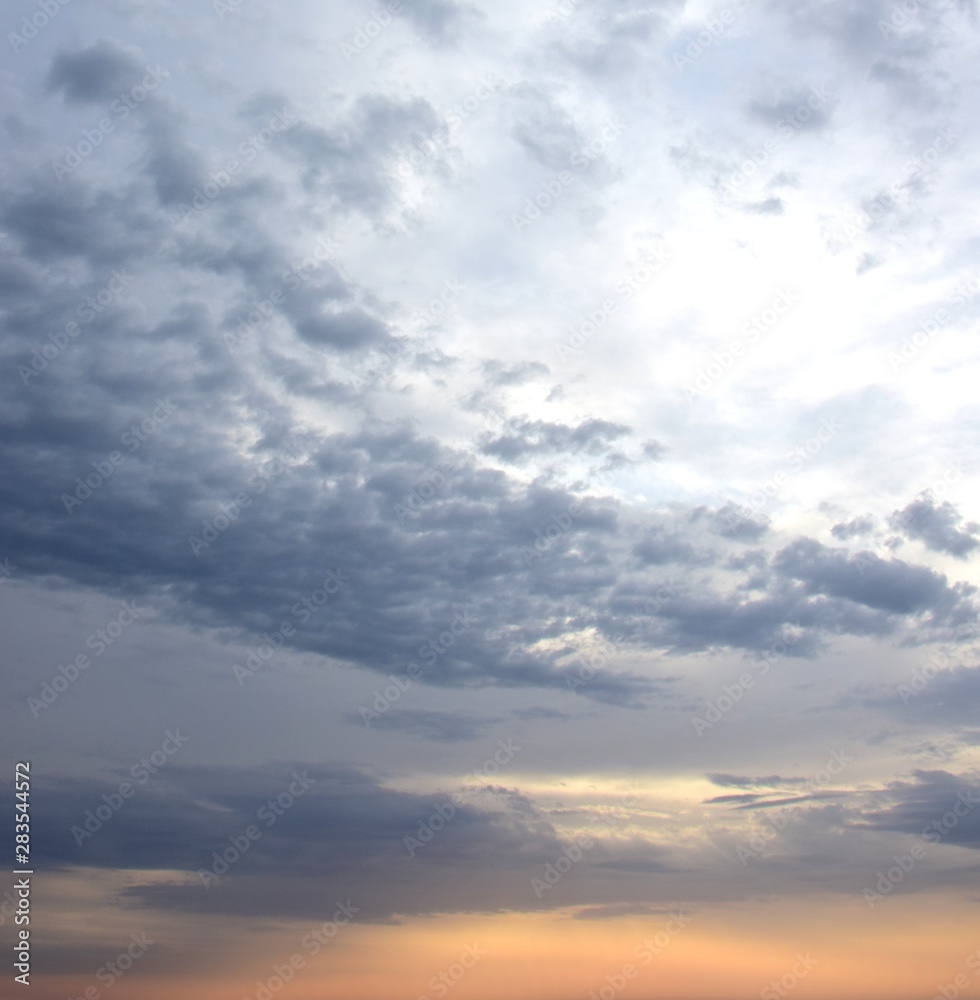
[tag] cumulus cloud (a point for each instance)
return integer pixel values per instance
(940, 527)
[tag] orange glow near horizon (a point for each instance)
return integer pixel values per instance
(904, 952)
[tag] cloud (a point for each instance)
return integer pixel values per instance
(940, 527)
(893, 586)
(608, 42)
(654, 450)
(738, 523)
(544, 129)
(936, 805)
(344, 837)
(99, 73)
(441, 21)
(336, 502)
(58, 222)
(348, 163)
(846, 530)
(523, 439)
(743, 781)
(802, 111)
(498, 373)
(660, 547)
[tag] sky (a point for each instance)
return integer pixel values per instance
(489, 498)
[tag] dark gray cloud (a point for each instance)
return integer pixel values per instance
(63, 222)
(855, 528)
(752, 559)
(940, 527)
(344, 836)
(342, 494)
(936, 805)
(523, 438)
(343, 501)
(349, 163)
(441, 21)
(97, 73)
(893, 585)
(659, 547)
(739, 523)
(744, 781)
(174, 167)
(640, 866)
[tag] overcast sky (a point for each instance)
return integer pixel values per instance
(531, 452)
